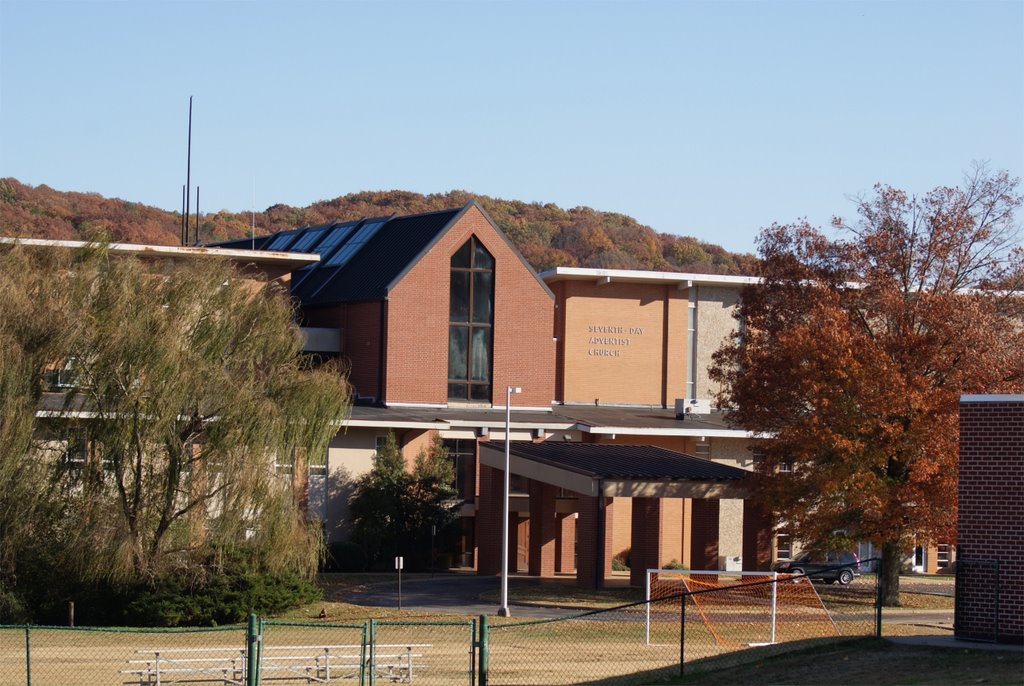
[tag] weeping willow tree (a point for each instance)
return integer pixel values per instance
(182, 383)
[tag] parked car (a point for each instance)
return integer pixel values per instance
(830, 568)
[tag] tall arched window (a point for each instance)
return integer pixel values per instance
(470, 323)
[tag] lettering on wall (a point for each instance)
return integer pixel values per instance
(611, 341)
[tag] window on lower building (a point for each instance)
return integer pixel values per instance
(783, 546)
(75, 448)
(318, 462)
(942, 554)
(703, 450)
(519, 484)
(462, 451)
(284, 461)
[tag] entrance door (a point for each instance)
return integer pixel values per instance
(523, 544)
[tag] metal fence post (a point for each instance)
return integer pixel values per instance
(482, 647)
(252, 648)
(473, 637)
(370, 668)
(682, 634)
(362, 658)
(28, 657)
(878, 601)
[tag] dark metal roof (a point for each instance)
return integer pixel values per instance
(369, 256)
(607, 461)
(383, 259)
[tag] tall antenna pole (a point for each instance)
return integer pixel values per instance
(252, 231)
(184, 217)
(188, 170)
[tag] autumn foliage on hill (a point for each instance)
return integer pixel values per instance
(547, 235)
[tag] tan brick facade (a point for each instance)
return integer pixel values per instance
(621, 343)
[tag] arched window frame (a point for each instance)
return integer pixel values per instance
(471, 323)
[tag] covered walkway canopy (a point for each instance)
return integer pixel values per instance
(594, 469)
(571, 486)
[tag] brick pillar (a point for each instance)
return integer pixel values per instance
(645, 541)
(565, 544)
(990, 518)
(671, 531)
(704, 536)
(757, 538)
(488, 521)
(543, 529)
(687, 534)
(595, 540)
(931, 558)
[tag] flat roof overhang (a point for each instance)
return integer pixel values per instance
(595, 469)
(680, 279)
(259, 257)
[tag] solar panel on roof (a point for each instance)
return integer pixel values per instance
(282, 241)
(365, 233)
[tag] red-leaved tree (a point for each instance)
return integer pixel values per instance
(853, 353)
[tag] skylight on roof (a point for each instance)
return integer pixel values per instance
(308, 239)
(282, 241)
(364, 234)
(337, 235)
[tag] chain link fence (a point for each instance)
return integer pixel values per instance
(693, 625)
(702, 624)
(57, 656)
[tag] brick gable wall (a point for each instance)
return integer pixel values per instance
(417, 324)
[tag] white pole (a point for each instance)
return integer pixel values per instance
(647, 597)
(775, 600)
(503, 610)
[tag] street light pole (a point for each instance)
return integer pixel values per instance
(503, 610)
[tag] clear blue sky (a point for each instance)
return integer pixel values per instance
(704, 119)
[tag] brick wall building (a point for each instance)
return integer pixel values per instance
(601, 356)
(990, 521)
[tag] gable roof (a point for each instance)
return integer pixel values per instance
(359, 260)
(363, 260)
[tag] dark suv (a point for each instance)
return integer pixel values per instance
(836, 566)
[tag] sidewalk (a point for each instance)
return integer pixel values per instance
(948, 641)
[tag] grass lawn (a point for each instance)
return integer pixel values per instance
(873, 661)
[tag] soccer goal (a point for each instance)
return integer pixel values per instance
(739, 608)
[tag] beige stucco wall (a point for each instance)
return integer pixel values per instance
(730, 530)
(715, 308)
(350, 456)
(734, 452)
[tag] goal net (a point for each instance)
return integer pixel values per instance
(739, 608)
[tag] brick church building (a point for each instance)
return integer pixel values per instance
(615, 448)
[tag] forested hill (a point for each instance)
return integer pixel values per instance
(547, 235)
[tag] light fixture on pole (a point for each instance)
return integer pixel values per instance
(503, 610)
